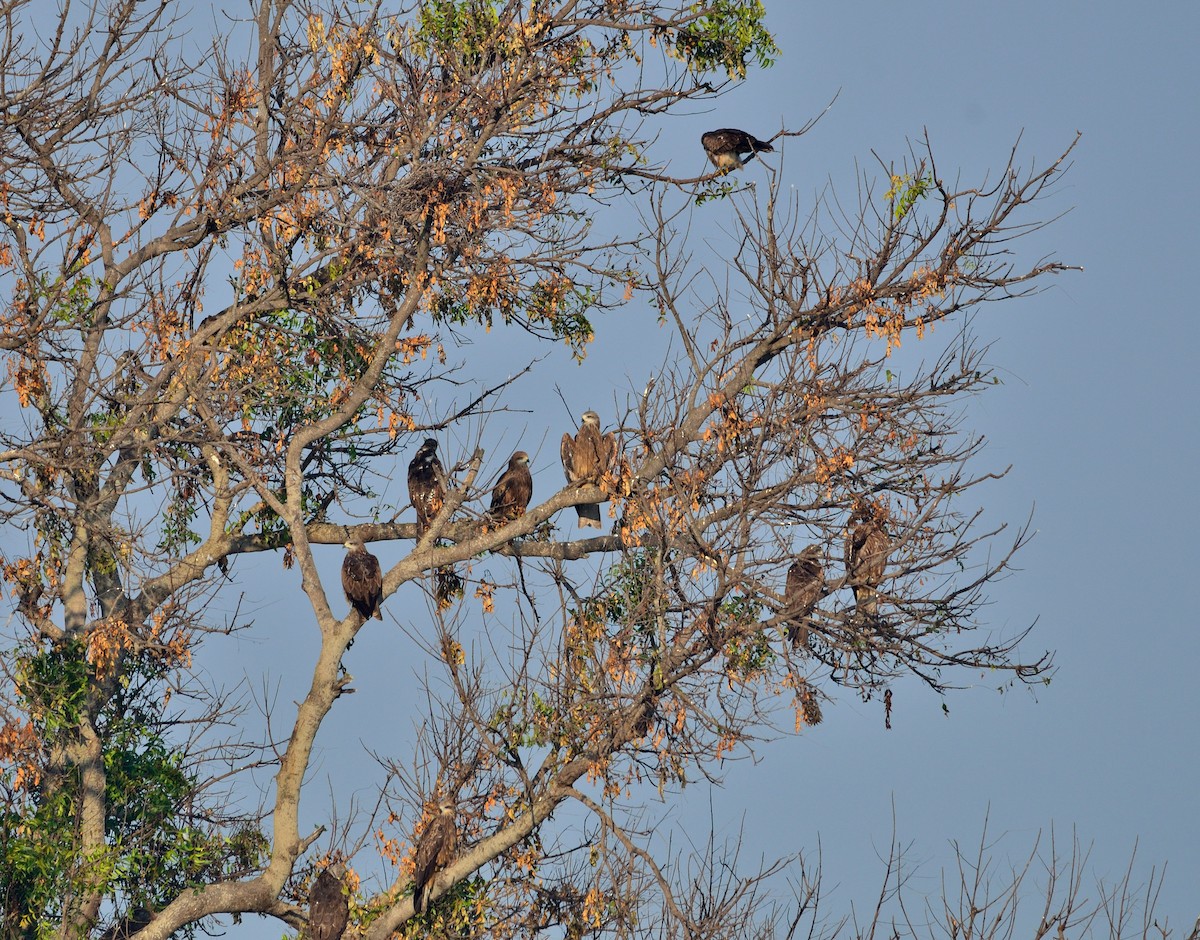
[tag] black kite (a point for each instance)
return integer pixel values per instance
(586, 458)
(362, 579)
(726, 146)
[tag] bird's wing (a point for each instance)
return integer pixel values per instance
(567, 451)
(522, 489)
(500, 490)
(874, 553)
(608, 452)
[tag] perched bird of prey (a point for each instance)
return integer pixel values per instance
(514, 489)
(435, 850)
(362, 579)
(726, 146)
(586, 458)
(866, 555)
(328, 911)
(136, 920)
(426, 490)
(805, 584)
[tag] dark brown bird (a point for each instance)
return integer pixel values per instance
(514, 489)
(805, 585)
(426, 489)
(138, 919)
(328, 910)
(362, 579)
(867, 550)
(586, 458)
(435, 850)
(726, 146)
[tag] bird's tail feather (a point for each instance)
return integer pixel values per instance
(589, 515)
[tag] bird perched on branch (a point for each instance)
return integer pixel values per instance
(867, 550)
(805, 584)
(136, 920)
(726, 146)
(435, 850)
(362, 579)
(586, 458)
(426, 489)
(514, 489)
(328, 910)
